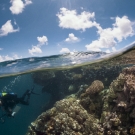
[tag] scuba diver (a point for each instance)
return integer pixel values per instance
(9, 100)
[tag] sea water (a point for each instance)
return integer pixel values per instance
(54, 78)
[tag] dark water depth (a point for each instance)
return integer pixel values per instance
(19, 124)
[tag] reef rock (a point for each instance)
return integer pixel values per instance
(95, 87)
(42, 77)
(67, 117)
(96, 111)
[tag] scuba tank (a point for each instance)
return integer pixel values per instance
(15, 110)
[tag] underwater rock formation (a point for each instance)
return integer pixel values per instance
(96, 111)
(91, 100)
(95, 87)
(121, 101)
(67, 117)
(59, 84)
(42, 77)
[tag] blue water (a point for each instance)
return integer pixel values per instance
(19, 124)
(16, 76)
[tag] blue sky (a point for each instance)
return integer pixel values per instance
(30, 28)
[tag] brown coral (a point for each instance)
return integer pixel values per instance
(132, 130)
(95, 87)
(111, 112)
(69, 118)
(128, 70)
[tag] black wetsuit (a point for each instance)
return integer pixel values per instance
(9, 100)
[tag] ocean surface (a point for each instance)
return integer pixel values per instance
(54, 78)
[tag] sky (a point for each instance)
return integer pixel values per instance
(36, 28)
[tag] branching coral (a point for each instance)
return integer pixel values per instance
(68, 118)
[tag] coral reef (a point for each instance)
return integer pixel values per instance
(67, 117)
(93, 110)
(59, 84)
(95, 87)
(132, 130)
(121, 101)
(91, 100)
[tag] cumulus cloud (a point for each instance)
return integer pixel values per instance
(15, 56)
(37, 48)
(122, 28)
(113, 49)
(108, 51)
(72, 20)
(7, 28)
(7, 57)
(17, 6)
(72, 38)
(27, 2)
(109, 37)
(42, 40)
(64, 50)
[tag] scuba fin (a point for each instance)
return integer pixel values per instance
(26, 96)
(31, 92)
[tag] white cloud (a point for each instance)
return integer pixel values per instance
(6, 57)
(70, 19)
(7, 28)
(109, 37)
(27, 2)
(64, 50)
(113, 49)
(72, 38)
(37, 48)
(122, 28)
(42, 40)
(17, 6)
(108, 51)
(15, 56)
(1, 49)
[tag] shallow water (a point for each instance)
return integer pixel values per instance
(56, 77)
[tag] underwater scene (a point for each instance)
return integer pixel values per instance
(67, 67)
(84, 93)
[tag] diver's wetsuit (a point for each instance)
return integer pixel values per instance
(9, 100)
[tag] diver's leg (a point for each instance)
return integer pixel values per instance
(25, 94)
(22, 101)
